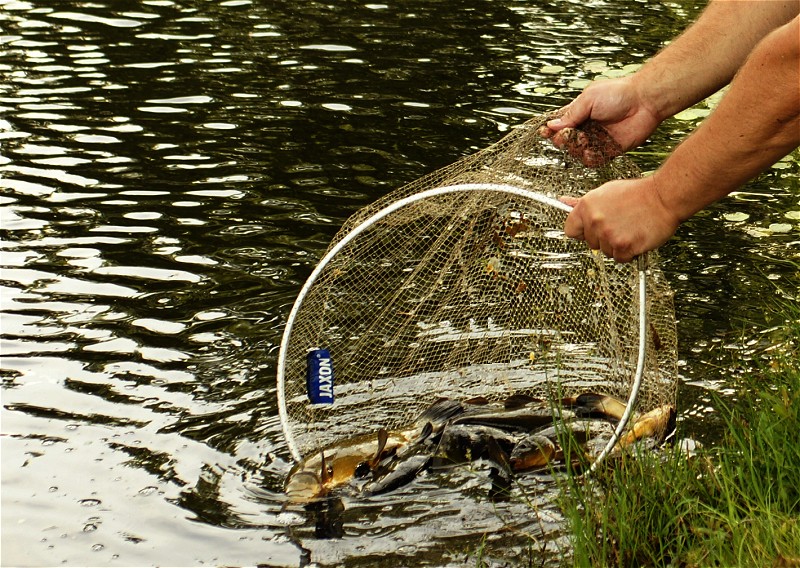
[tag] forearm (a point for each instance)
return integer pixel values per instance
(756, 123)
(707, 55)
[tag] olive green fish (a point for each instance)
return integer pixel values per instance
(340, 463)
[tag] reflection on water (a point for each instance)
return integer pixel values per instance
(170, 173)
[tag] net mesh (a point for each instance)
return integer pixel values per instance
(473, 290)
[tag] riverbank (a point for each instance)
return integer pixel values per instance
(734, 504)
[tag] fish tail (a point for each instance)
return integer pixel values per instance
(592, 404)
(441, 411)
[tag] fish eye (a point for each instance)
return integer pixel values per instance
(362, 470)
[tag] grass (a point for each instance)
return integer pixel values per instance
(735, 504)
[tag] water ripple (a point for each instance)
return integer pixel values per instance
(170, 174)
(84, 17)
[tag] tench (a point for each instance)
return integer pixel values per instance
(357, 458)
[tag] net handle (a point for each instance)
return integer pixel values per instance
(641, 263)
(388, 210)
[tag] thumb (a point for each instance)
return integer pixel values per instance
(573, 226)
(575, 113)
(568, 200)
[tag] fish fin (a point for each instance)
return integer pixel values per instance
(501, 476)
(441, 411)
(519, 400)
(402, 474)
(497, 455)
(326, 473)
(427, 430)
(383, 437)
(477, 401)
(672, 423)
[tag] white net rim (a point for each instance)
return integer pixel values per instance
(399, 204)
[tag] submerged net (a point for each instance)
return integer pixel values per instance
(462, 283)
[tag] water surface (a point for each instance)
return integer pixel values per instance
(171, 171)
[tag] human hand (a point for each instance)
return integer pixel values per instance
(622, 218)
(614, 104)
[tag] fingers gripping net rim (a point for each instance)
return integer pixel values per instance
(463, 284)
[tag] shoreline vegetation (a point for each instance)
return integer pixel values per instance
(734, 504)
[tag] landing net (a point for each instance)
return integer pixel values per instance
(462, 284)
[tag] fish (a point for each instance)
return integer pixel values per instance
(546, 445)
(532, 452)
(460, 443)
(596, 405)
(359, 457)
(518, 413)
(655, 424)
(520, 434)
(525, 430)
(401, 472)
(589, 430)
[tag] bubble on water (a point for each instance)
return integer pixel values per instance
(89, 527)
(97, 547)
(149, 490)
(89, 502)
(52, 489)
(289, 519)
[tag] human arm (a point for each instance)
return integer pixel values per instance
(755, 124)
(699, 62)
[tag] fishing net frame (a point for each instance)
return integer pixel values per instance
(442, 287)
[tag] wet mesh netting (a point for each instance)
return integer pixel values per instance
(462, 283)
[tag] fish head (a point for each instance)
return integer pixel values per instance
(310, 480)
(304, 486)
(656, 424)
(532, 452)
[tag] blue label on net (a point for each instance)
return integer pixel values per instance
(319, 377)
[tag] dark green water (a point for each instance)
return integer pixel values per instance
(170, 172)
